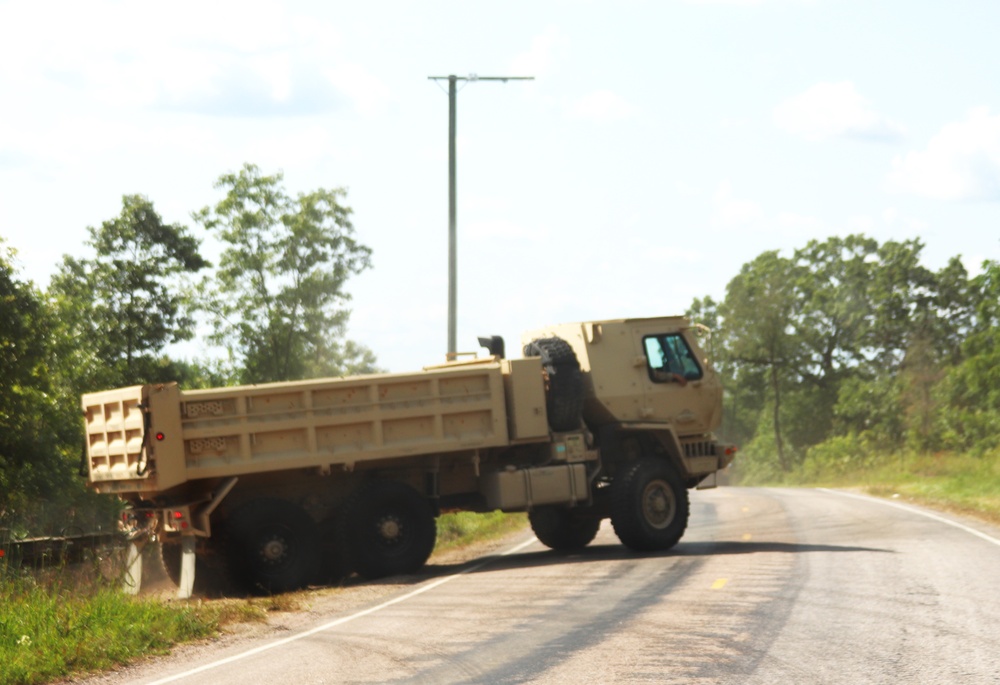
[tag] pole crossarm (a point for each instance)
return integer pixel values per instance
(452, 204)
(475, 77)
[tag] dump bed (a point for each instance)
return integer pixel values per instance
(150, 438)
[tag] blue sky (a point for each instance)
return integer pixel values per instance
(662, 145)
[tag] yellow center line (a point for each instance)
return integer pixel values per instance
(720, 583)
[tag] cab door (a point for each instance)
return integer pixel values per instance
(678, 387)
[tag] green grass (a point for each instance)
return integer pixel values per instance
(53, 625)
(463, 528)
(956, 482)
(51, 632)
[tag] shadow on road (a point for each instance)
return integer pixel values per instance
(739, 547)
(612, 552)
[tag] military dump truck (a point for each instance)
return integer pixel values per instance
(275, 486)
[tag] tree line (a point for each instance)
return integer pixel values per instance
(849, 350)
(275, 304)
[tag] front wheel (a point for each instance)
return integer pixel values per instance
(649, 506)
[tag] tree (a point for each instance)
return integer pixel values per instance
(857, 340)
(31, 425)
(279, 306)
(121, 307)
(970, 393)
(758, 311)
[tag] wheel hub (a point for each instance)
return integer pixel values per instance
(390, 529)
(658, 504)
(273, 550)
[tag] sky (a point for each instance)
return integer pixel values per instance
(661, 145)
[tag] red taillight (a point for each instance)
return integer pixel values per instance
(178, 515)
(159, 436)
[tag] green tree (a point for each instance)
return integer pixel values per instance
(848, 337)
(122, 306)
(970, 393)
(759, 335)
(279, 305)
(32, 426)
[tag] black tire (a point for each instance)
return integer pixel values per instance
(210, 577)
(563, 529)
(386, 528)
(649, 505)
(563, 384)
(273, 546)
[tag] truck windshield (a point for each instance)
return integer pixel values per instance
(668, 355)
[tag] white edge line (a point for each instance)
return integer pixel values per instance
(343, 620)
(914, 510)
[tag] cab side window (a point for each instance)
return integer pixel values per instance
(668, 356)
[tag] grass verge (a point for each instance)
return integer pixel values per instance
(462, 528)
(53, 629)
(960, 483)
(50, 632)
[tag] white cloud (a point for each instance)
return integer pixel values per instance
(500, 228)
(730, 211)
(961, 162)
(543, 57)
(686, 189)
(832, 110)
(861, 223)
(601, 105)
(251, 58)
(973, 263)
(793, 224)
(733, 123)
(669, 255)
(725, 2)
(369, 94)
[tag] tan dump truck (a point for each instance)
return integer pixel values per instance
(275, 486)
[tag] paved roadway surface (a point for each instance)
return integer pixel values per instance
(768, 586)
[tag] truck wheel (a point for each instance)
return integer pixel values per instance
(563, 381)
(649, 506)
(386, 528)
(273, 546)
(563, 529)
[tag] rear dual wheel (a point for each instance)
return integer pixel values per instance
(386, 528)
(273, 546)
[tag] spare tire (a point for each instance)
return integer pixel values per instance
(563, 381)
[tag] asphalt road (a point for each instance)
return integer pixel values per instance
(767, 586)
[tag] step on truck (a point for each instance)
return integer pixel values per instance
(267, 488)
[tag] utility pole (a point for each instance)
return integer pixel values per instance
(452, 213)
